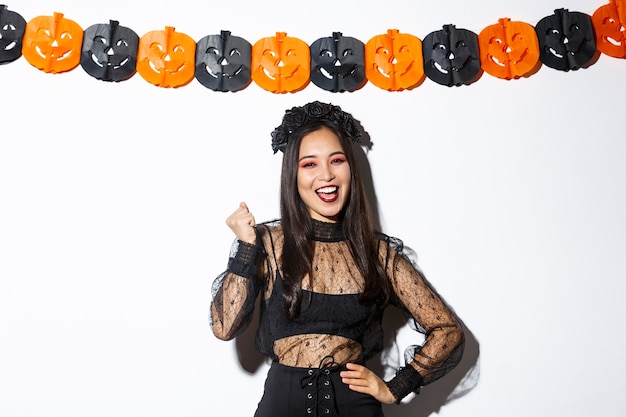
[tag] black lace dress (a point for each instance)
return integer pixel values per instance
(333, 328)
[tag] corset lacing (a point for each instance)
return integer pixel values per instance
(319, 390)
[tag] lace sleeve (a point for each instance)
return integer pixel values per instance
(444, 339)
(234, 291)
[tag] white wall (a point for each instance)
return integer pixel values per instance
(113, 199)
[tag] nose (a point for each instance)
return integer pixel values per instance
(326, 173)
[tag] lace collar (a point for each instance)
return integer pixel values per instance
(328, 232)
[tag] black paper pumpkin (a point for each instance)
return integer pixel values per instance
(223, 62)
(12, 27)
(338, 63)
(109, 51)
(566, 40)
(451, 56)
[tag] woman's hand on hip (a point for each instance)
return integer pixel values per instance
(361, 379)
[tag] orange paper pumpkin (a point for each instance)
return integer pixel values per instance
(609, 22)
(52, 43)
(166, 58)
(509, 49)
(394, 61)
(281, 64)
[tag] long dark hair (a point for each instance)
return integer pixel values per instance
(298, 232)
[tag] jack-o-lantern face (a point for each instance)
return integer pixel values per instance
(165, 58)
(109, 51)
(509, 49)
(338, 63)
(451, 56)
(566, 40)
(223, 62)
(281, 64)
(52, 43)
(609, 22)
(393, 61)
(12, 27)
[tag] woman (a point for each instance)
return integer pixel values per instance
(325, 277)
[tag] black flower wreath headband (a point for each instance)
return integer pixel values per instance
(296, 117)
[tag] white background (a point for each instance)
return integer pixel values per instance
(113, 199)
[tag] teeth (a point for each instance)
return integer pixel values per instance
(327, 190)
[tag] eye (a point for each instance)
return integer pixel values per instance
(308, 164)
(337, 161)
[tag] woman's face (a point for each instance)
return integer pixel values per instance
(323, 175)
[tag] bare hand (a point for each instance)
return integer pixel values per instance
(361, 379)
(241, 222)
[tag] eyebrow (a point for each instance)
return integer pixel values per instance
(315, 156)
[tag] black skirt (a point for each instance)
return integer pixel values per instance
(313, 392)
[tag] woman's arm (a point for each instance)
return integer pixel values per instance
(235, 290)
(443, 346)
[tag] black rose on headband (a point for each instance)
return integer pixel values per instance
(296, 117)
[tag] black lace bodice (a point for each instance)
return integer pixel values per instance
(332, 322)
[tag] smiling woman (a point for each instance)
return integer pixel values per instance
(323, 175)
(325, 276)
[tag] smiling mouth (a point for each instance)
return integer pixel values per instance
(327, 194)
(326, 190)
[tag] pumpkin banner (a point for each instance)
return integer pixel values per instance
(392, 61)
